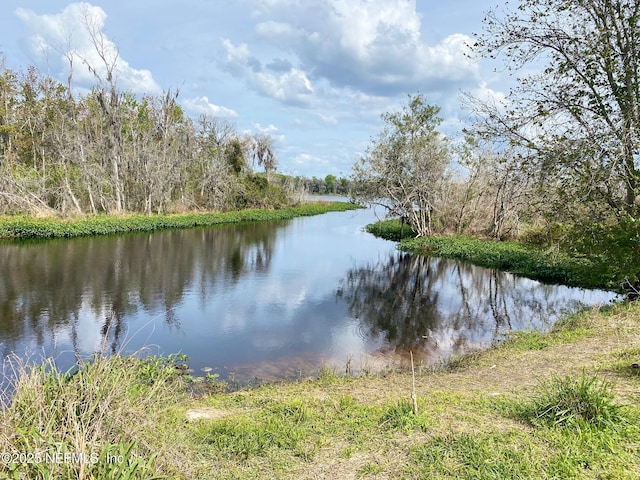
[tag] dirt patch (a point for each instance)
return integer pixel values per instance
(207, 413)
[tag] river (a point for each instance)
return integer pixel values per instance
(264, 301)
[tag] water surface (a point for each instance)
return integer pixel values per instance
(264, 300)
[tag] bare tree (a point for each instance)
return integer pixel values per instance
(576, 120)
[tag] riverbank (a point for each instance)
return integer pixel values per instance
(565, 404)
(21, 228)
(548, 265)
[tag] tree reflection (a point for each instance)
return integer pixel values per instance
(435, 307)
(47, 287)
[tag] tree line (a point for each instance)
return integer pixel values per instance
(108, 151)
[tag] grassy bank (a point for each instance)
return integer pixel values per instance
(20, 227)
(560, 405)
(550, 265)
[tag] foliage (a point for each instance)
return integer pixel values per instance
(588, 261)
(575, 122)
(613, 244)
(392, 229)
(405, 165)
(109, 151)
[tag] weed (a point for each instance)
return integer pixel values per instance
(82, 418)
(571, 401)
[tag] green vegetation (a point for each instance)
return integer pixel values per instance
(91, 422)
(20, 227)
(557, 405)
(546, 263)
(571, 402)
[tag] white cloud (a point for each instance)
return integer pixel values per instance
(291, 86)
(308, 161)
(201, 105)
(74, 38)
(271, 130)
(371, 45)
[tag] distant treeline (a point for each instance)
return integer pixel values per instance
(110, 151)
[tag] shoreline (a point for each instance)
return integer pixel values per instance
(546, 265)
(20, 228)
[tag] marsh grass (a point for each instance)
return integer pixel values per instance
(549, 265)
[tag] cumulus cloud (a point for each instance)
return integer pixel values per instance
(372, 45)
(201, 105)
(288, 86)
(73, 41)
(271, 130)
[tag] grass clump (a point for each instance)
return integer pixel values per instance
(571, 401)
(94, 421)
(393, 230)
(400, 416)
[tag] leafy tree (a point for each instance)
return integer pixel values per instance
(577, 119)
(330, 183)
(343, 186)
(405, 166)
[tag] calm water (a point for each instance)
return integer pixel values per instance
(265, 300)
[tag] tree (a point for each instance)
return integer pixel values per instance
(264, 153)
(405, 166)
(577, 120)
(330, 183)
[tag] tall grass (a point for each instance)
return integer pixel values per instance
(92, 422)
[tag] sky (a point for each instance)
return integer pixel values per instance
(314, 74)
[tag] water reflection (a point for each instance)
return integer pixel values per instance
(434, 307)
(48, 287)
(266, 299)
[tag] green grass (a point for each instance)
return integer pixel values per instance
(20, 227)
(491, 455)
(571, 402)
(94, 421)
(547, 265)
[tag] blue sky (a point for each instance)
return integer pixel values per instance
(314, 74)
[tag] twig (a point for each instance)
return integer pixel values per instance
(414, 397)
